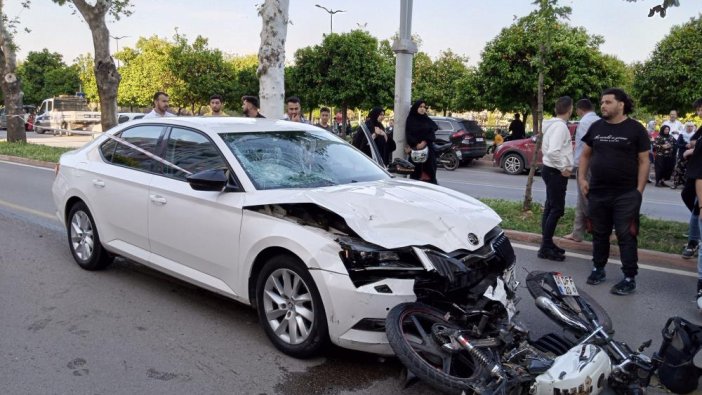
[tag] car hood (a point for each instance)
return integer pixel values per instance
(397, 213)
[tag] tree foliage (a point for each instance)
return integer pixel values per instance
(446, 84)
(44, 74)
(669, 79)
(245, 78)
(144, 71)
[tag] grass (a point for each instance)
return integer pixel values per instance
(654, 234)
(32, 151)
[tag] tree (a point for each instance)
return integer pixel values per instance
(106, 74)
(10, 83)
(271, 56)
(200, 72)
(245, 79)
(669, 78)
(661, 9)
(44, 75)
(440, 81)
(347, 70)
(86, 73)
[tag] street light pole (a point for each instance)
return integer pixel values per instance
(331, 16)
(117, 38)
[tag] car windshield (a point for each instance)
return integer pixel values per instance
(300, 159)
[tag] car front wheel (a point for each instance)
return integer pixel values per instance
(83, 239)
(290, 308)
(513, 164)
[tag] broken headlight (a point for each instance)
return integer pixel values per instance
(359, 255)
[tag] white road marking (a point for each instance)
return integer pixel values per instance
(26, 165)
(615, 261)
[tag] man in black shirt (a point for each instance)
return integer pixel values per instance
(692, 193)
(616, 155)
(516, 129)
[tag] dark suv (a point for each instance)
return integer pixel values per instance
(472, 136)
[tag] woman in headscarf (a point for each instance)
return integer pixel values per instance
(665, 155)
(420, 132)
(374, 124)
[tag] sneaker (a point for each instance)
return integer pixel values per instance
(690, 250)
(624, 287)
(550, 254)
(596, 276)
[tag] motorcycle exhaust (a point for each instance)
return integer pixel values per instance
(552, 310)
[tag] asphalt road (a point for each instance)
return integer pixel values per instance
(129, 329)
(482, 180)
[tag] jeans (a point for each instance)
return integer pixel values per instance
(556, 186)
(694, 229)
(699, 257)
(607, 208)
(580, 213)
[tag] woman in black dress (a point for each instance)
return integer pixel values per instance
(420, 132)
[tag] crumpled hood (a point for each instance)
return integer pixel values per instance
(397, 213)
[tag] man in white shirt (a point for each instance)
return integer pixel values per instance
(676, 127)
(585, 111)
(557, 150)
(160, 106)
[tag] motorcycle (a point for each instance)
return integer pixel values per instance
(448, 155)
(475, 345)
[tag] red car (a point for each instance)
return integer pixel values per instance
(514, 157)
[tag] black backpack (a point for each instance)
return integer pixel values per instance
(682, 340)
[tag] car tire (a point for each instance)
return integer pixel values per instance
(39, 130)
(290, 308)
(466, 162)
(84, 240)
(513, 164)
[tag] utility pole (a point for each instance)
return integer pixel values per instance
(117, 38)
(331, 16)
(404, 49)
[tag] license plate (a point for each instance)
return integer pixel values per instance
(479, 139)
(566, 285)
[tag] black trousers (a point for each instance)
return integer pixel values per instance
(556, 186)
(608, 208)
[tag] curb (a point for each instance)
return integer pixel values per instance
(648, 257)
(26, 161)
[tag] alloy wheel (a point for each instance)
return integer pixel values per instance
(82, 236)
(288, 306)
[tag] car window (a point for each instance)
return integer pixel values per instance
(145, 137)
(191, 151)
(444, 125)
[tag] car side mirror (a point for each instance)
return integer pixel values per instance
(533, 139)
(208, 180)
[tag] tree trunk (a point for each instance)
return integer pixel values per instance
(10, 84)
(538, 119)
(106, 74)
(344, 120)
(271, 56)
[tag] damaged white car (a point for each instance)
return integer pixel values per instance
(283, 216)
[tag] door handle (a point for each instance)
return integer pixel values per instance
(158, 199)
(98, 183)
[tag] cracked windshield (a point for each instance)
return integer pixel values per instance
(300, 159)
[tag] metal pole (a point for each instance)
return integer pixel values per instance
(404, 49)
(331, 23)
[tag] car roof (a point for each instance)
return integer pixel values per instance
(451, 119)
(229, 124)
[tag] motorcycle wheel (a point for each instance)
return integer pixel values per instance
(450, 160)
(536, 283)
(411, 330)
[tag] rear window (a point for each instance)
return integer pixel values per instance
(472, 126)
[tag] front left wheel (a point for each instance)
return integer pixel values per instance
(84, 240)
(290, 308)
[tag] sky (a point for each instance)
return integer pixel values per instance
(233, 26)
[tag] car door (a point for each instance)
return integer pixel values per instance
(194, 233)
(117, 189)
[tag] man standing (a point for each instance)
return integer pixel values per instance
(160, 106)
(516, 129)
(557, 149)
(294, 110)
(676, 127)
(249, 106)
(324, 117)
(585, 111)
(216, 107)
(338, 126)
(616, 155)
(694, 185)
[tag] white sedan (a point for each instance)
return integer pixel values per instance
(282, 216)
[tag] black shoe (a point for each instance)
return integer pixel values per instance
(597, 275)
(690, 250)
(624, 287)
(550, 254)
(558, 249)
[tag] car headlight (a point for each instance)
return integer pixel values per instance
(359, 255)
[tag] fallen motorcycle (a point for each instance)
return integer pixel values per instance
(478, 347)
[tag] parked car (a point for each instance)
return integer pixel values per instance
(129, 116)
(28, 117)
(283, 216)
(515, 156)
(473, 137)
